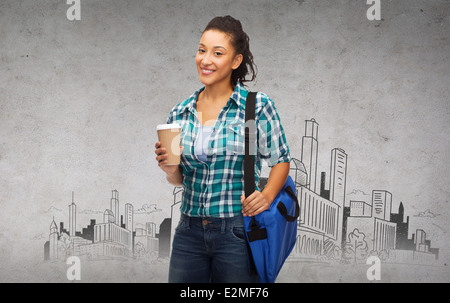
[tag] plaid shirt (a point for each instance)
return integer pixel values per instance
(213, 188)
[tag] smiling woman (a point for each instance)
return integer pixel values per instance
(240, 43)
(209, 243)
(216, 54)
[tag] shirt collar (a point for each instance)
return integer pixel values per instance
(238, 96)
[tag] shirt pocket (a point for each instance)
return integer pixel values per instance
(235, 138)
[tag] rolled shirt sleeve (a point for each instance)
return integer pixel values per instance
(272, 144)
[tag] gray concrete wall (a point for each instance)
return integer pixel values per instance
(79, 101)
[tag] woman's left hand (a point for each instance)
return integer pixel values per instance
(254, 204)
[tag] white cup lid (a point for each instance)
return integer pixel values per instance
(167, 126)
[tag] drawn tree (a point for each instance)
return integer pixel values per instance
(356, 247)
(139, 250)
(383, 255)
(331, 250)
(65, 245)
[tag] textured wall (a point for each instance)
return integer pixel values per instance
(79, 101)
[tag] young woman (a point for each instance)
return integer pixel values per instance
(209, 243)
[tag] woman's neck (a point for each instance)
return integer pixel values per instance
(217, 94)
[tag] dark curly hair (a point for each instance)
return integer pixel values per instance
(241, 44)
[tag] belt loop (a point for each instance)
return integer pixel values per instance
(222, 228)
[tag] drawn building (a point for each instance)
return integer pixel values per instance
(108, 216)
(298, 173)
(401, 239)
(165, 238)
(165, 245)
(384, 235)
(87, 233)
(373, 220)
(418, 251)
(382, 204)
(310, 152)
(320, 221)
(338, 182)
(360, 209)
(152, 241)
(146, 241)
(324, 193)
(129, 216)
(115, 206)
(53, 241)
(113, 240)
(72, 218)
(338, 176)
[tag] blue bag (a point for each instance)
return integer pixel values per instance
(271, 235)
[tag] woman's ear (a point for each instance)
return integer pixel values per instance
(237, 61)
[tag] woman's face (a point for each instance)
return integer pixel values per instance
(216, 58)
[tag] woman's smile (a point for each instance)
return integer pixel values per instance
(206, 71)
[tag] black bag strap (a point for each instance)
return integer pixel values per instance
(249, 171)
(283, 210)
(250, 136)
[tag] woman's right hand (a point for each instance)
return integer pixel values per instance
(161, 157)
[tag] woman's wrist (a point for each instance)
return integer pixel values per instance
(268, 194)
(176, 177)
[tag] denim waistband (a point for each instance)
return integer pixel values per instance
(213, 222)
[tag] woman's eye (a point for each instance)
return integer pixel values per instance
(218, 53)
(201, 51)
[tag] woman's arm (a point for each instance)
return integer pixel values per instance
(174, 173)
(260, 201)
(277, 177)
(175, 178)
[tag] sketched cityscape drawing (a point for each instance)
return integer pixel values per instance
(331, 228)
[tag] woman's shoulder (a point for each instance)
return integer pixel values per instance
(263, 100)
(186, 104)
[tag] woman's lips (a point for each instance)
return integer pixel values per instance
(206, 71)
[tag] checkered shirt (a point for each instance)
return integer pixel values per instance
(213, 188)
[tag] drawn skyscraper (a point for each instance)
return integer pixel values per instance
(115, 206)
(382, 204)
(402, 241)
(129, 216)
(420, 240)
(310, 152)
(338, 174)
(53, 239)
(108, 216)
(72, 218)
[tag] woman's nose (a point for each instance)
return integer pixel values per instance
(206, 59)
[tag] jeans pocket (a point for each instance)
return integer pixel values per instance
(181, 226)
(238, 233)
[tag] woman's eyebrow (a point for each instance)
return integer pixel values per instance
(201, 44)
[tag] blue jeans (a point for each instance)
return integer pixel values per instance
(210, 250)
